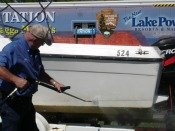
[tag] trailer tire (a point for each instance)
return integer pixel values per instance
(42, 123)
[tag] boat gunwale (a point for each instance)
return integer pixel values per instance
(90, 57)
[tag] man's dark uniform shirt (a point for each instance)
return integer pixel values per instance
(19, 59)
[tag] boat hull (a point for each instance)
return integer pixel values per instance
(107, 84)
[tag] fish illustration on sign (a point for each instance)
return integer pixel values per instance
(107, 21)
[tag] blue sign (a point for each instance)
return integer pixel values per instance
(85, 31)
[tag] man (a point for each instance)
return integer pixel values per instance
(20, 62)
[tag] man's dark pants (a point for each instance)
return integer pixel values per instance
(18, 114)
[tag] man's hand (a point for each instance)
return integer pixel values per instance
(21, 83)
(58, 86)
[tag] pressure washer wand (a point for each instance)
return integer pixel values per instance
(48, 86)
(63, 89)
(76, 97)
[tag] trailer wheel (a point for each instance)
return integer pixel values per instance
(42, 123)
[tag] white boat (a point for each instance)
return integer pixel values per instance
(106, 77)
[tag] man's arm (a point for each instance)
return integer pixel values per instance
(48, 79)
(6, 75)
